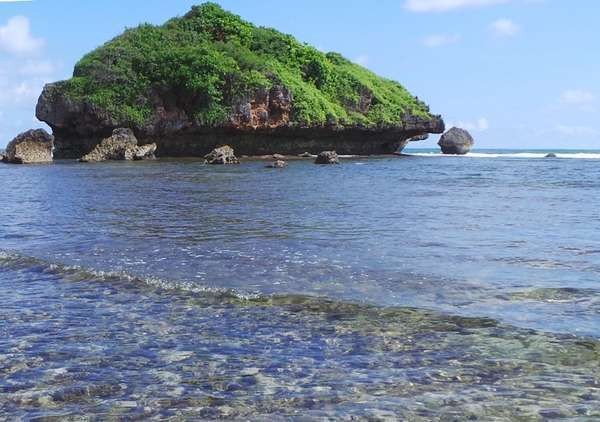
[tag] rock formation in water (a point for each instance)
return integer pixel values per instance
(121, 145)
(221, 155)
(33, 146)
(327, 157)
(278, 164)
(456, 141)
(550, 155)
(210, 78)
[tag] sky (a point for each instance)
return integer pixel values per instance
(516, 73)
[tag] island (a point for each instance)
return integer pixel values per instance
(209, 78)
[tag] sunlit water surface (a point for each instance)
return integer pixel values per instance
(419, 287)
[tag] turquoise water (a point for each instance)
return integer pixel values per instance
(418, 287)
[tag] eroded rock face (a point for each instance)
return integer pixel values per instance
(33, 146)
(221, 155)
(256, 125)
(266, 109)
(144, 152)
(121, 145)
(456, 141)
(327, 157)
(417, 138)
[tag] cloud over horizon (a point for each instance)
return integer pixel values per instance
(480, 125)
(569, 130)
(16, 37)
(504, 28)
(438, 40)
(577, 97)
(424, 6)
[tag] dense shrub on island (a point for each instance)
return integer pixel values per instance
(210, 69)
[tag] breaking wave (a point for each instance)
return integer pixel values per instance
(525, 155)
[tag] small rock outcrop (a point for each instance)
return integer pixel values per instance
(456, 141)
(279, 164)
(550, 155)
(327, 157)
(33, 146)
(221, 155)
(121, 145)
(144, 152)
(417, 138)
(279, 157)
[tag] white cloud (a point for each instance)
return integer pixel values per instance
(22, 93)
(438, 40)
(37, 68)
(577, 96)
(446, 5)
(480, 125)
(577, 130)
(362, 60)
(16, 37)
(505, 28)
(25, 90)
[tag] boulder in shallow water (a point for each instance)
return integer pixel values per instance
(279, 157)
(221, 155)
(33, 146)
(279, 164)
(456, 141)
(551, 155)
(121, 145)
(327, 157)
(144, 152)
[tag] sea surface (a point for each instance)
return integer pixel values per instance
(416, 287)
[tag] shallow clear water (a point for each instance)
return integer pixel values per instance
(416, 287)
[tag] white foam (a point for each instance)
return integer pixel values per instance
(527, 155)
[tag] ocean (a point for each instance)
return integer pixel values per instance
(415, 287)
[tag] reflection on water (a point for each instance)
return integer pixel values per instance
(410, 287)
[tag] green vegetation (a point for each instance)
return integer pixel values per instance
(209, 59)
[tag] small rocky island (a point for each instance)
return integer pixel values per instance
(209, 79)
(456, 141)
(31, 147)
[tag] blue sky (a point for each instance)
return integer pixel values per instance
(517, 73)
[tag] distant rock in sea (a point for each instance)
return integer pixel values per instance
(33, 146)
(551, 155)
(222, 155)
(279, 164)
(456, 141)
(327, 157)
(121, 145)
